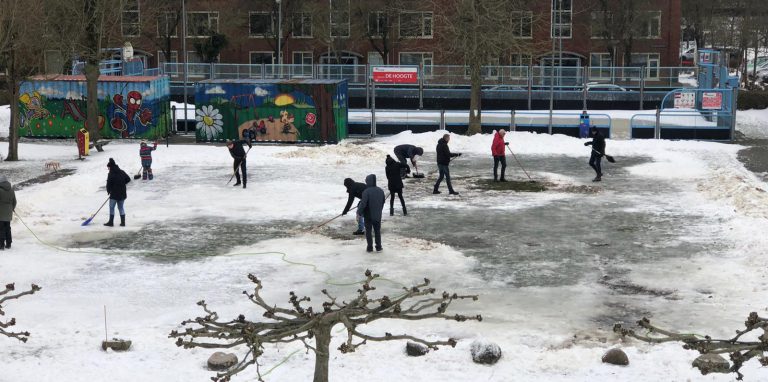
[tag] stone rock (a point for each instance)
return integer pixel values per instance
(116, 344)
(616, 357)
(415, 350)
(221, 361)
(711, 363)
(485, 352)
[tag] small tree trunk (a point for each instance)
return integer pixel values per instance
(92, 85)
(322, 352)
(475, 119)
(13, 129)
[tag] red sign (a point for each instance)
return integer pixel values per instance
(310, 119)
(712, 101)
(395, 75)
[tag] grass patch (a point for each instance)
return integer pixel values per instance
(510, 185)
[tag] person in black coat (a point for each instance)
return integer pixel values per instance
(372, 203)
(444, 156)
(395, 183)
(239, 155)
(355, 190)
(598, 150)
(403, 152)
(116, 182)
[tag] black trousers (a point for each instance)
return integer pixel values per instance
(594, 162)
(5, 233)
(444, 173)
(376, 226)
(496, 160)
(401, 159)
(241, 164)
(392, 199)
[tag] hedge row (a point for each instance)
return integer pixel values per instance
(752, 99)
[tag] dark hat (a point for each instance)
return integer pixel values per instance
(111, 163)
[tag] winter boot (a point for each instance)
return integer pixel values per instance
(597, 179)
(144, 175)
(8, 245)
(391, 212)
(150, 174)
(435, 192)
(122, 220)
(111, 221)
(359, 232)
(405, 211)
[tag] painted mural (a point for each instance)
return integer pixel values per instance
(129, 107)
(279, 111)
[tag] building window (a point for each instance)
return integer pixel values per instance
(520, 63)
(416, 24)
(562, 18)
(340, 18)
(202, 24)
(301, 25)
(489, 71)
(377, 24)
(600, 22)
(522, 24)
(600, 66)
(649, 60)
(261, 24)
(418, 59)
(302, 64)
(162, 60)
(374, 59)
(196, 66)
(650, 25)
(131, 20)
(258, 58)
(168, 24)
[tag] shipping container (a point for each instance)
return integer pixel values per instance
(305, 110)
(129, 107)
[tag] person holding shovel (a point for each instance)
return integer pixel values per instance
(403, 152)
(444, 157)
(145, 153)
(598, 150)
(395, 183)
(117, 179)
(238, 154)
(499, 155)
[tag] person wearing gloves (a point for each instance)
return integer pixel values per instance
(499, 155)
(395, 183)
(403, 152)
(355, 190)
(116, 182)
(239, 155)
(444, 157)
(598, 150)
(145, 152)
(7, 206)
(372, 204)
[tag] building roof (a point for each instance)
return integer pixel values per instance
(80, 78)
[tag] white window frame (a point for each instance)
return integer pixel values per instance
(269, 33)
(212, 15)
(136, 25)
(335, 25)
(650, 57)
(161, 59)
(378, 58)
(602, 73)
(252, 64)
(300, 68)
(423, 17)
(525, 60)
(379, 15)
(559, 26)
(301, 16)
(597, 19)
(165, 16)
(517, 30)
(428, 68)
(645, 27)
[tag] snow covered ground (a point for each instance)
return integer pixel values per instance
(674, 233)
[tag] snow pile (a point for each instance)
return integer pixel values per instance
(5, 120)
(753, 123)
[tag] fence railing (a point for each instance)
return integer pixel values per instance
(455, 76)
(682, 124)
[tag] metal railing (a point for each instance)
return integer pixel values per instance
(682, 124)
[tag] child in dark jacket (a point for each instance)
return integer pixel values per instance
(145, 152)
(393, 170)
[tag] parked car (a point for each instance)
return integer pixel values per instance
(688, 55)
(598, 87)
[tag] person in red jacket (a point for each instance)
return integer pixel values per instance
(499, 155)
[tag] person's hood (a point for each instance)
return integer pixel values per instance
(370, 180)
(390, 161)
(348, 182)
(442, 141)
(418, 151)
(498, 134)
(4, 183)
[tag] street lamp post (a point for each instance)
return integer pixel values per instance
(184, 53)
(279, 35)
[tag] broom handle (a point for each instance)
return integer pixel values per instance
(518, 163)
(102, 206)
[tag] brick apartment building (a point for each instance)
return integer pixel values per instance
(347, 34)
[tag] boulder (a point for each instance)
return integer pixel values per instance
(485, 352)
(415, 350)
(616, 357)
(221, 361)
(711, 363)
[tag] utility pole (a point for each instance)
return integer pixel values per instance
(279, 36)
(184, 53)
(330, 39)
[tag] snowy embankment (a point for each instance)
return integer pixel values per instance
(544, 336)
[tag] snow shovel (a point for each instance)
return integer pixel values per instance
(416, 174)
(607, 157)
(530, 180)
(88, 221)
(238, 165)
(138, 175)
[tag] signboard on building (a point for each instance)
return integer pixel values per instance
(712, 101)
(395, 75)
(685, 100)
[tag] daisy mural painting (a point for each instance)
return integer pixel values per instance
(271, 110)
(209, 122)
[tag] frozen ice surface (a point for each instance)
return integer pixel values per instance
(675, 232)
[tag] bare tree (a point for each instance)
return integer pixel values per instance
(740, 351)
(377, 21)
(21, 54)
(619, 23)
(302, 324)
(481, 32)
(7, 295)
(161, 24)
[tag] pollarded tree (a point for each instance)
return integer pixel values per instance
(483, 32)
(7, 295)
(739, 350)
(303, 324)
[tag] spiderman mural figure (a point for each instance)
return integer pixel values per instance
(129, 119)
